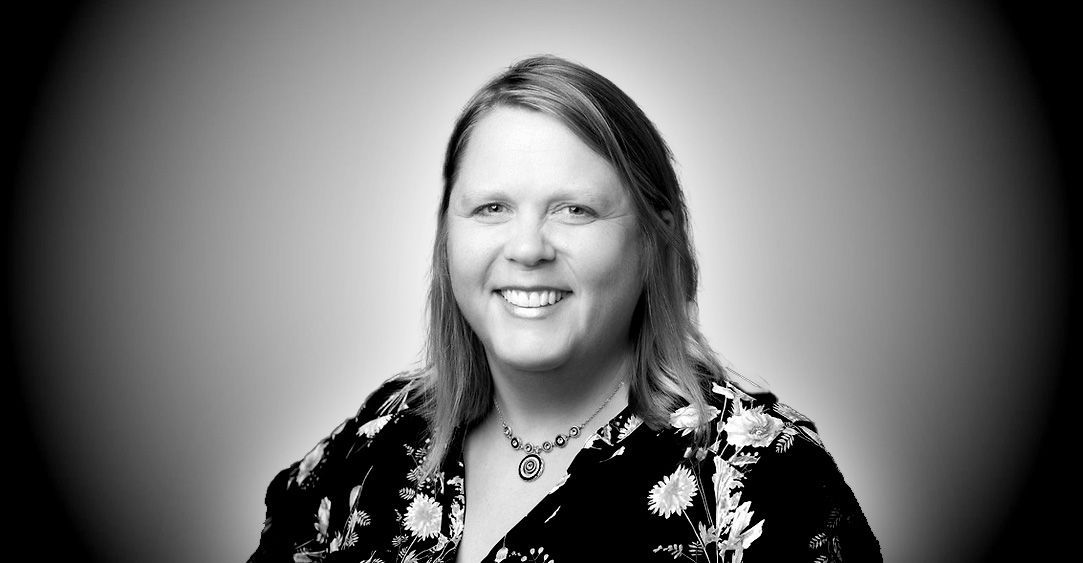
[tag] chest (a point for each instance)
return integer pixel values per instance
(497, 498)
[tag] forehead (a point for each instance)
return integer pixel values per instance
(514, 147)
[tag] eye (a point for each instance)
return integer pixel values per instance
(492, 212)
(577, 213)
(490, 209)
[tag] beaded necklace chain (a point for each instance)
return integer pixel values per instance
(531, 466)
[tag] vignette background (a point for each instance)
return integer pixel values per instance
(222, 218)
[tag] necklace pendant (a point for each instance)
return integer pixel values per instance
(531, 467)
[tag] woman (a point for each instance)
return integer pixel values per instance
(570, 409)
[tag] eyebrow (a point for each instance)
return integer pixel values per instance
(485, 193)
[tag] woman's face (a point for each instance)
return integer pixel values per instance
(543, 245)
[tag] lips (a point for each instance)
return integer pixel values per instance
(533, 299)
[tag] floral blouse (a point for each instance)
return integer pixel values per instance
(764, 489)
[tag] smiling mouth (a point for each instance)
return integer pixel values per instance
(533, 299)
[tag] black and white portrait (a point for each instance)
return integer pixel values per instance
(737, 231)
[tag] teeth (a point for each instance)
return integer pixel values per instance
(532, 299)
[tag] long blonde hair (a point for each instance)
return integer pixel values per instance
(673, 362)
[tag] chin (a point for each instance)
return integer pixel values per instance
(531, 360)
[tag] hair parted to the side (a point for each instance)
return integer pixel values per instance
(673, 363)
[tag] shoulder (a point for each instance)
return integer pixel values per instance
(772, 470)
(756, 419)
(381, 431)
(399, 397)
(391, 409)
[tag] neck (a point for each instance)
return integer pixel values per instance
(537, 404)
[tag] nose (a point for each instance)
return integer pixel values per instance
(528, 243)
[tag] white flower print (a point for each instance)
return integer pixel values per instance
(752, 427)
(673, 494)
(629, 426)
(424, 516)
(720, 390)
(456, 521)
(355, 493)
(312, 458)
(370, 428)
(416, 474)
(400, 515)
(535, 555)
(358, 518)
(790, 413)
(688, 418)
(707, 535)
(323, 518)
(619, 452)
(726, 480)
(739, 533)
(812, 435)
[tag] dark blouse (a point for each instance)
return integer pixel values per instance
(763, 490)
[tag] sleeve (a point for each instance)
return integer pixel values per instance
(295, 495)
(281, 523)
(810, 514)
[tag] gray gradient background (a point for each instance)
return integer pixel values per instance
(226, 245)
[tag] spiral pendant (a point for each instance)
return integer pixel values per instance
(531, 467)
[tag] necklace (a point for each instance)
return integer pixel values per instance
(531, 466)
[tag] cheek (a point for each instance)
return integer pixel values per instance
(614, 267)
(458, 272)
(467, 263)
